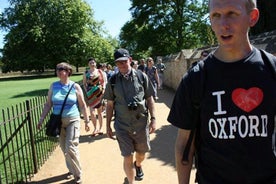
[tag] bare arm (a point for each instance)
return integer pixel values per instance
(157, 78)
(109, 115)
(47, 107)
(150, 103)
(183, 169)
(84, 82)
(82, 106)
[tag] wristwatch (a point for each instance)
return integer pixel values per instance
(152, 118)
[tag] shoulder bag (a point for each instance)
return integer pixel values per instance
(53, 126)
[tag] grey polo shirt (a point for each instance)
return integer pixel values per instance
(124, 92)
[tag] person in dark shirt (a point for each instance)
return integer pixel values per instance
(229, 101)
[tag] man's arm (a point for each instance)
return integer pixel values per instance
(109, 115)
(183, 169)
(151, 107)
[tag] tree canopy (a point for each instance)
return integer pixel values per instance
(42, 33)
(166, 26)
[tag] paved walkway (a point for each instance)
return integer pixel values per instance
(101, 160)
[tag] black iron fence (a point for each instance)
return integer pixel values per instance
(23, 148)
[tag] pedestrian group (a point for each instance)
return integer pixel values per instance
(224, 107)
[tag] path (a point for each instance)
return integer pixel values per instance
(102, 163)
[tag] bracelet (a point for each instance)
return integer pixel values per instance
(152, 118)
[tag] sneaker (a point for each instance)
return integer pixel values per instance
(78, 180)
(69, 175)
(139, 172)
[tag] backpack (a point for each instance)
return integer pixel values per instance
(268, 59)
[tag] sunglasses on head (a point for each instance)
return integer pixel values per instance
(61, 69)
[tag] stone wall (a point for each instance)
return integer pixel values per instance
(178, 64)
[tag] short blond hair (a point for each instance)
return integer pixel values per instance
(66, 66)
(249, 4)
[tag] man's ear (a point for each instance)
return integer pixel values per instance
(254, 17)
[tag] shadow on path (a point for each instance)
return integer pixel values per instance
(90, 139)
(163, 145)
(54, 179)
(166, 96)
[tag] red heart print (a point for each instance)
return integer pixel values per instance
(247, 100)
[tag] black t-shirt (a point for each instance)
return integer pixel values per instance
(237, 113)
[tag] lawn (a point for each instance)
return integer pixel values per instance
(15, 90)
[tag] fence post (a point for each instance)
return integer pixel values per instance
(31, 136)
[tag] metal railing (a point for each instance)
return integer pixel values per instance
(23, 148)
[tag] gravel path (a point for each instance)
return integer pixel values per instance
(101, 160)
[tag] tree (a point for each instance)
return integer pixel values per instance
(166, 26)
(42, 33)
(267, 17)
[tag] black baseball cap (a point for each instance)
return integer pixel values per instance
(121, 54)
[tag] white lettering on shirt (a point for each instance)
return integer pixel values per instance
(218, 94)
(243, 126)
(236, 126)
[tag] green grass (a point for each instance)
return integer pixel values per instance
(15, 90)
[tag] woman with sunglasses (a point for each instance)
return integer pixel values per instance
(70, 128)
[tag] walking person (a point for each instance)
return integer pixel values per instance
(134, 64)
(142, 65)
(153, 76)
(161, 68)
(109, 71)
(70, 128)
(129, 94)
(94, 86)
(227, 102)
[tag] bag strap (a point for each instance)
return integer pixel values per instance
(198, 67)
(140, 77)
(270, 60)
(66, 99)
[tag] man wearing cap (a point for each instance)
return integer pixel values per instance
(129, 95)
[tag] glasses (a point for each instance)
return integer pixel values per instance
(61, 69)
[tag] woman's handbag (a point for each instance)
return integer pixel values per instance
(53, 126)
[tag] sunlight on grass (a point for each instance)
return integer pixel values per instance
(16, 90)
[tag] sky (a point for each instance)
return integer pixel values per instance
(114, 13)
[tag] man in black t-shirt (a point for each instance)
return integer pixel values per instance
(230, 99)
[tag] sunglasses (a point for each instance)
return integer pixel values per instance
(61, 69)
